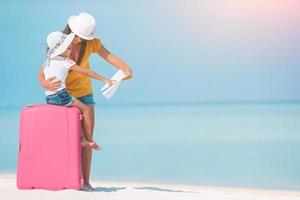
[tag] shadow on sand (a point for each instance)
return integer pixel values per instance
(162, 190)
(108, 189)
(115, 189)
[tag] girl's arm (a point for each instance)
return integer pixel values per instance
(91, 74)
(48, 84)
(115, 61)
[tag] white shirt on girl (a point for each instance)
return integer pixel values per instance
(59, 67)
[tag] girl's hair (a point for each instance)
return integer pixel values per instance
(68, 30)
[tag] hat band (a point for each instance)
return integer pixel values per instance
(83, 35)
(61, 40)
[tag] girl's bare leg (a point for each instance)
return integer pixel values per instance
(86, 122)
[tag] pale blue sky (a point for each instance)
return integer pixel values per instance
(180, 51)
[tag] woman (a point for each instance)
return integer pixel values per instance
(78, 85)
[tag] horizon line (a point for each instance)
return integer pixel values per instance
(196, 103)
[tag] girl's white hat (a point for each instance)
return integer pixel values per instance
(83, 25)
(58, 43)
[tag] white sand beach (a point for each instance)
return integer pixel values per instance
(144, 191)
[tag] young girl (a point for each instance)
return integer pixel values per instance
(57, 64)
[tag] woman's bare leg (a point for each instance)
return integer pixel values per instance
(86, 153)
(83, 139)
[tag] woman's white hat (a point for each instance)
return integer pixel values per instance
(83, 25)
(58, 42)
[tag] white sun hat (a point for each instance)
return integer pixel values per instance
(58, 42)
(83, 25)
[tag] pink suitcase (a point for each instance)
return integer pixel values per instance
(49, 148)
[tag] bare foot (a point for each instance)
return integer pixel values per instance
(87, 187)
(94, 145)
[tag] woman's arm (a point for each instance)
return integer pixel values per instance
(48, 84)
(91, 74)
(115, 61)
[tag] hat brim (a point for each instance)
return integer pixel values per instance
(74, 29)
(62, 47)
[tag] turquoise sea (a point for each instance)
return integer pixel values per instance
(232, 145)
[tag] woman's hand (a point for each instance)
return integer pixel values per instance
(52, 85)
(115, 61)
(129, 76)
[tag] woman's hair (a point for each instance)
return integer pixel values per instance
(68, 30)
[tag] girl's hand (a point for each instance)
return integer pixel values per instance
(52, 85)
(110, 82)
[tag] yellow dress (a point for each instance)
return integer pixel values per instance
(77, 84)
